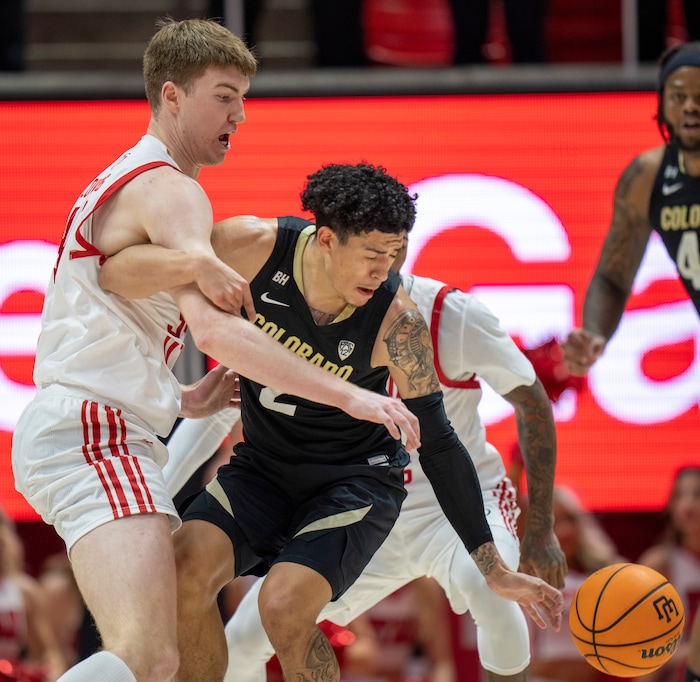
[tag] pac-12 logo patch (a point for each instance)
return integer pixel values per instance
(345, 349)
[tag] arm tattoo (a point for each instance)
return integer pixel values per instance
(485, 558)
(537, 439)
(321, 663)
(410, 349)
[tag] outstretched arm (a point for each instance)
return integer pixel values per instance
(617, 265)
(407, 350)
(541, 554)
(245, 348)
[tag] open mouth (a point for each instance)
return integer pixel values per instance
(224, 139)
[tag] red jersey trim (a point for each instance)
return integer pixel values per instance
(472, 382)
(89, 249)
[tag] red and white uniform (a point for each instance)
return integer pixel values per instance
(85, 450)
(469, 343)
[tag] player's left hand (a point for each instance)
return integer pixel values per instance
(542, 602)
(542, 556)
(217, 390)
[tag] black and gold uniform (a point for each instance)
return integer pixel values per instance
(674, 212)
(310, 484)
(290, 428)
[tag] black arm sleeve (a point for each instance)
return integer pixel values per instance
(451, 472)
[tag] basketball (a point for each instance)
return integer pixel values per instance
(626, 620)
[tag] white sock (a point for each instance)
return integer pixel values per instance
(103, 666)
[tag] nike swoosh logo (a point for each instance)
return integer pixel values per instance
(670, 189)
(265, 298)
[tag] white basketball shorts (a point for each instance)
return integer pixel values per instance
(81, 464)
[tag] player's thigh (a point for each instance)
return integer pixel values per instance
(126, 573)
(204, 558)
(337, 532)
(81, 464)
(397, 562)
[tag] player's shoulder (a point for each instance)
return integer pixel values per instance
(244, 241)
(165, 185)
(645, 165)
(650, 160)
(401, 310)
(637, 179)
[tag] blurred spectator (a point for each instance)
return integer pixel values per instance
(12, 38)
(653, 24)
(587, 548)
(677, 557)
(66, 609)
(29, 651)
(337, 27)
(338, 33)
(252, 10)
(524, 23)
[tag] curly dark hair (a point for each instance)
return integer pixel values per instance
(355, 199)
(672, 58)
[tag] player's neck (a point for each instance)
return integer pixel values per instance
(689, 162)
(324, 302)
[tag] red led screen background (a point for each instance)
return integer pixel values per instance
(515, 193)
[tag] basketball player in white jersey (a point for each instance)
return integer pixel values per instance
(86, 453)
(468, 343)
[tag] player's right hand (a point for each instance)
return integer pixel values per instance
(581, 349)
(542, 602)
(224, 287)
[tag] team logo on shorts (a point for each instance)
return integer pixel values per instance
(345, 349)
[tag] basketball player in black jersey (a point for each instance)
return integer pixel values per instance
(659, 190)
(311, 493)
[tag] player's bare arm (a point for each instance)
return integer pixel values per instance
(408, 352)
(164, 207)
(541, 554)
(619, 260)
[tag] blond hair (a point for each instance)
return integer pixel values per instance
(181, 51)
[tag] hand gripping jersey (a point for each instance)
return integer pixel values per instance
(468, 342)
(116, 350)
(286, 426)
(674, 212)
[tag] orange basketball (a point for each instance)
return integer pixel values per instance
(626, 620)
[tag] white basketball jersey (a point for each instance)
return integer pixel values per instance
(469, 345)
(118, 351)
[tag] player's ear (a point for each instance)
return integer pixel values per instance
(325, 237)
(170, 95)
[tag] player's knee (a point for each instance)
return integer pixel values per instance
(163, 666)
(152, 662)
(284, 617)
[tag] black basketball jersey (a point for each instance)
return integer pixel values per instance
(674, 212)
(289, 427)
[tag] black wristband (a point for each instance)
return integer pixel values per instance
(451, 472)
